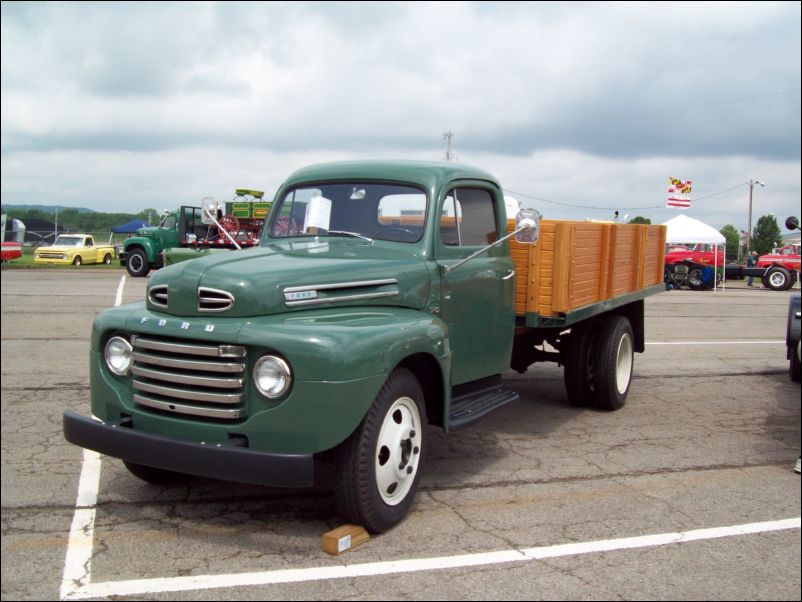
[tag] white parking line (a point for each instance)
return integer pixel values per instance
(372, 569)
(78, 561)
(717, 343)
(119, 298)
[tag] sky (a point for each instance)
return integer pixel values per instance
(579, 109)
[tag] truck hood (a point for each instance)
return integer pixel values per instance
(292, 276)
(60, 248)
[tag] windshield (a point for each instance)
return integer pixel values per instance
(68, 241)
(353, 209)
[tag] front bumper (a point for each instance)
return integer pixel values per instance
(216, 461)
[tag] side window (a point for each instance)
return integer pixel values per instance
(468, 218)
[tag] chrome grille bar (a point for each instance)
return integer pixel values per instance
(188, 379)
(227, 398)
(184, 348)
(178, 408)
(182, 364)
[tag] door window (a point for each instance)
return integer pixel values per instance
(468, 218)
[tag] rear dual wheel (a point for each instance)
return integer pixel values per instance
(599, 363)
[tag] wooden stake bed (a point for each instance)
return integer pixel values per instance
(576, 265)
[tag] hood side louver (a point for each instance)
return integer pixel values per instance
(214, 300)
(157, 295)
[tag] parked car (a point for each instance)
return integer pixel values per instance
(75, 249)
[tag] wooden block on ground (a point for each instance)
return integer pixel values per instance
(343, 538)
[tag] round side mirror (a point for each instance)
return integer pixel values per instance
(527, 226)
(792, 223)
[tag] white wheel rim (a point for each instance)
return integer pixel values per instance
(777, 278)
(398, 451)
(623, 364)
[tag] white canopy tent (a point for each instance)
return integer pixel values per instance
(686, 230)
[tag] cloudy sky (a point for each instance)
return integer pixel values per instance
(578, 108)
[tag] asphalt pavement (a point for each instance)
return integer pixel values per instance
(688, 492)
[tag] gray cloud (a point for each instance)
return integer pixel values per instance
(694, 85)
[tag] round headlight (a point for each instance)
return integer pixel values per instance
(272, 376)
(118, 355)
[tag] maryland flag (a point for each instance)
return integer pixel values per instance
(679, 193)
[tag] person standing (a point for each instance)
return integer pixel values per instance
(751, 261)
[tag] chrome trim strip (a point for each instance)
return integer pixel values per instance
(180, 408)
(229, 398)
(344, 298)
(166, 362)
(188, 379)
(325, 287)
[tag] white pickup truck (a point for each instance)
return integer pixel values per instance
(75, 249)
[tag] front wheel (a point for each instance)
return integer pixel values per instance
(77, 260)
(379, 465)
(137, 263)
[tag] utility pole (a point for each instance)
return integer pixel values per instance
(447, 136)
(749, 228)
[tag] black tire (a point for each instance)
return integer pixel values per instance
(613, 363)
(137, 263)
(107, 259)
(578, 372)
(377, 480)
(793, 366)
(154, 476)
(778, 279)
(77, 260)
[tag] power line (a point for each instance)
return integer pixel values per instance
(541, 199)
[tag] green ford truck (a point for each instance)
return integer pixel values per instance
(382, 297)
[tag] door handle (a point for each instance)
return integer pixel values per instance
(509, 275)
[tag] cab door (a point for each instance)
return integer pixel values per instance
(477, 296)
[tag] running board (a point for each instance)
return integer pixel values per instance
(471, 407)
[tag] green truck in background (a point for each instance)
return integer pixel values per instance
(382, 298)
(190, 232)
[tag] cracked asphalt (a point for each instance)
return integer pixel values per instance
(707, 439)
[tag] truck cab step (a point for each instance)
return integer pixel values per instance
(470, 406)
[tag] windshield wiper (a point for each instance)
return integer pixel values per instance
(344, 233)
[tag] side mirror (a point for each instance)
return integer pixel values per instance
(527, 226)
(792, 223)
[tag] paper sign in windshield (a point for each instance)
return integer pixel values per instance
(318, 213)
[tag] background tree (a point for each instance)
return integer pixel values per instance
(766, 234)
(639, 219)
(730, 233)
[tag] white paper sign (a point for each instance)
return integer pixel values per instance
(318, 213)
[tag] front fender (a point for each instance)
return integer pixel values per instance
(340, 359)
(145, 244)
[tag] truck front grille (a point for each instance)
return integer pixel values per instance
(193, 378)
